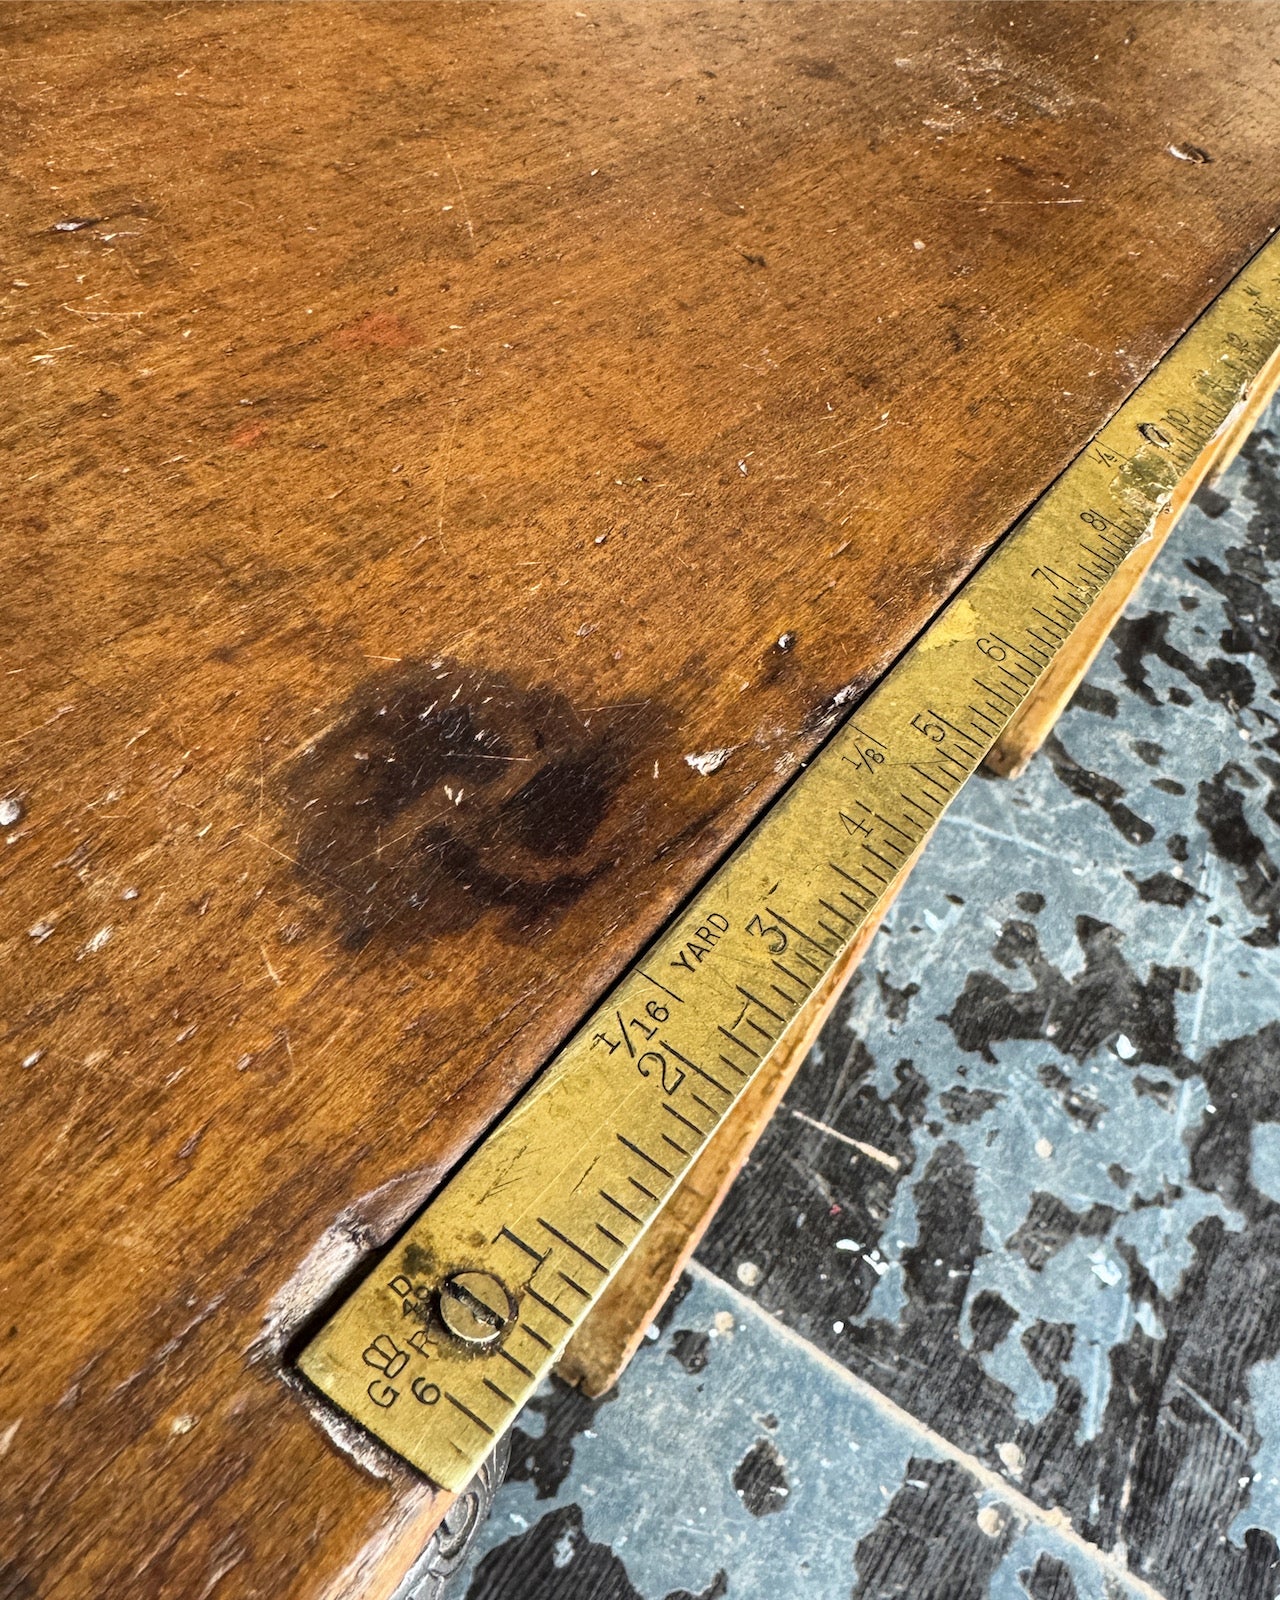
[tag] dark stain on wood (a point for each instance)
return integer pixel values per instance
(444, 792)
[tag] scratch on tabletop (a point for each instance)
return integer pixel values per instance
(462, 195)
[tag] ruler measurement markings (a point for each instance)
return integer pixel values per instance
(693, 1067)
(836, 912)
(692, 1126)
(931, 815)
(565, 1239)
(1001, 703)
(505, 1233)
(959, 732)
(661, 986)
(1018, 678)
(912, 839)
(756, 1001)
(856, 904)
(1050, 642)
(800, 983)
(893, 866)
(754, 1054)
(946, 793)
(947, 761)
(1106, 537)
(734, 1067)
(807, 937)
(637, 1151)
(850, 878)
(537, 1338)
(618, 1206)
(512, 1361)
(547, 1305)
(1013, 615)
(807, 961)
(878, 876)
(468, 1413)
(1030, 660)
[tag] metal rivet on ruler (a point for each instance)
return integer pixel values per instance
(475, 1307)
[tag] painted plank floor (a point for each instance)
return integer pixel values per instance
(1022, 1340)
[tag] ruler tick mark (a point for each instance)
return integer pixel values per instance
(799, 982)
(546, 1305)
(519, 1365)
(755, 1054)
(694, 1067)
(637, 1151)
(836, 912)
(468, 1413)
(883, 860)
(618, 1206)
(565, 1239)
(959, 732)
(692, 1126)
(505, 1233)
(661, 986)
(807, 937)
(856, 882)
(756, 1001)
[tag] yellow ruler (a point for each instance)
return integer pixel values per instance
(439, 1347)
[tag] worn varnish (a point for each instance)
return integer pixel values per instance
(462, 459)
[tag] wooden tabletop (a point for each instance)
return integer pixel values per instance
(462, 459)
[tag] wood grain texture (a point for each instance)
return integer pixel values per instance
(425, 423)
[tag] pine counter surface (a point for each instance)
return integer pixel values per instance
(461, 461)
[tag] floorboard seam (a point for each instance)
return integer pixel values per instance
(1055, 1520)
